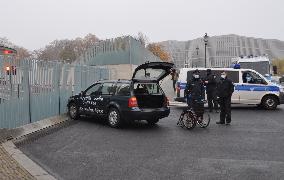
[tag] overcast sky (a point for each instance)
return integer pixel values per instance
(34, 23)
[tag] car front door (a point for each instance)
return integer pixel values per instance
(107, 91)
(89, 99)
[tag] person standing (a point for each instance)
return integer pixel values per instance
(211, 85)
(174, 78)
(225, 89)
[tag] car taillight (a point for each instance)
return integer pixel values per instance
(132, 102)
(166, 101)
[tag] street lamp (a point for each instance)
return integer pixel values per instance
(205, 39)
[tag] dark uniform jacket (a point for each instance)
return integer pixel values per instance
(211, 85)
(225, 88)
(196, 89)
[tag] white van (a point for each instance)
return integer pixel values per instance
(257, 91)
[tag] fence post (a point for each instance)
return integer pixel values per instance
(27, 89)
(57, 83)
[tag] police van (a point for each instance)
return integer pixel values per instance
(250, 86)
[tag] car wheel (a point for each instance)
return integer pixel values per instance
(269, 102)
(152, 121)
(114, 119)
(73, 111)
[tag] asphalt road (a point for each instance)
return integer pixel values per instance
(252, 147)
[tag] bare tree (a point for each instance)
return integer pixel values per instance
(142, 38)
(66, 49)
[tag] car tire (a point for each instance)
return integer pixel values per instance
(73, 111)
(114, 119)
(269, 102)
(152, 121)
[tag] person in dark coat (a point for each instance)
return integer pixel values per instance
(225, 89)
(195, 92)
(211, 87)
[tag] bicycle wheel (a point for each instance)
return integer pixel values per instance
(189, 120)
(180, 120)
(204, 122)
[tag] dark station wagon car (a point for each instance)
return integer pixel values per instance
(140, 98)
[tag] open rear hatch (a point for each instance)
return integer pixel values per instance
(146, 79)
(152, 71)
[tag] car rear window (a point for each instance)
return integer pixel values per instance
(147, 88)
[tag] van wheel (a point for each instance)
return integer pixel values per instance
(73, 111)
(114, 119)
(152, 121)
(269, 102)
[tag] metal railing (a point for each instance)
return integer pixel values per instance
(40, 89)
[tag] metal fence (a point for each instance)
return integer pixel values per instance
(31, 90)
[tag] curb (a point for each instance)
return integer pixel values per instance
(34, 169)
(37, 126)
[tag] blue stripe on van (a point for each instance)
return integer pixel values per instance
(254, 87)
(245, 87)
(181, 85)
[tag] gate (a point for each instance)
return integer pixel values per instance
(31, 90)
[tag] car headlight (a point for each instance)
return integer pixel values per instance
(282, 89)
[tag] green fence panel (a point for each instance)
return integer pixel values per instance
(40, 89)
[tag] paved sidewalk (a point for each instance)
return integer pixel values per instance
(14, 164)
(11, 169)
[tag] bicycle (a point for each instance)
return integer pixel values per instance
(190, 117)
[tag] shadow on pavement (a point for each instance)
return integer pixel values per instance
(135, 125)
(238, 107)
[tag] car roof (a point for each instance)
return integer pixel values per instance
(114, 81)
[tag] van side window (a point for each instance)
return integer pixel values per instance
(190, 73)
(233, 75)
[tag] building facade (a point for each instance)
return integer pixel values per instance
(221, 49)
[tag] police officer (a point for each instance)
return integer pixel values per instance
(194, 90)
(225, 89)
(211, 85)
